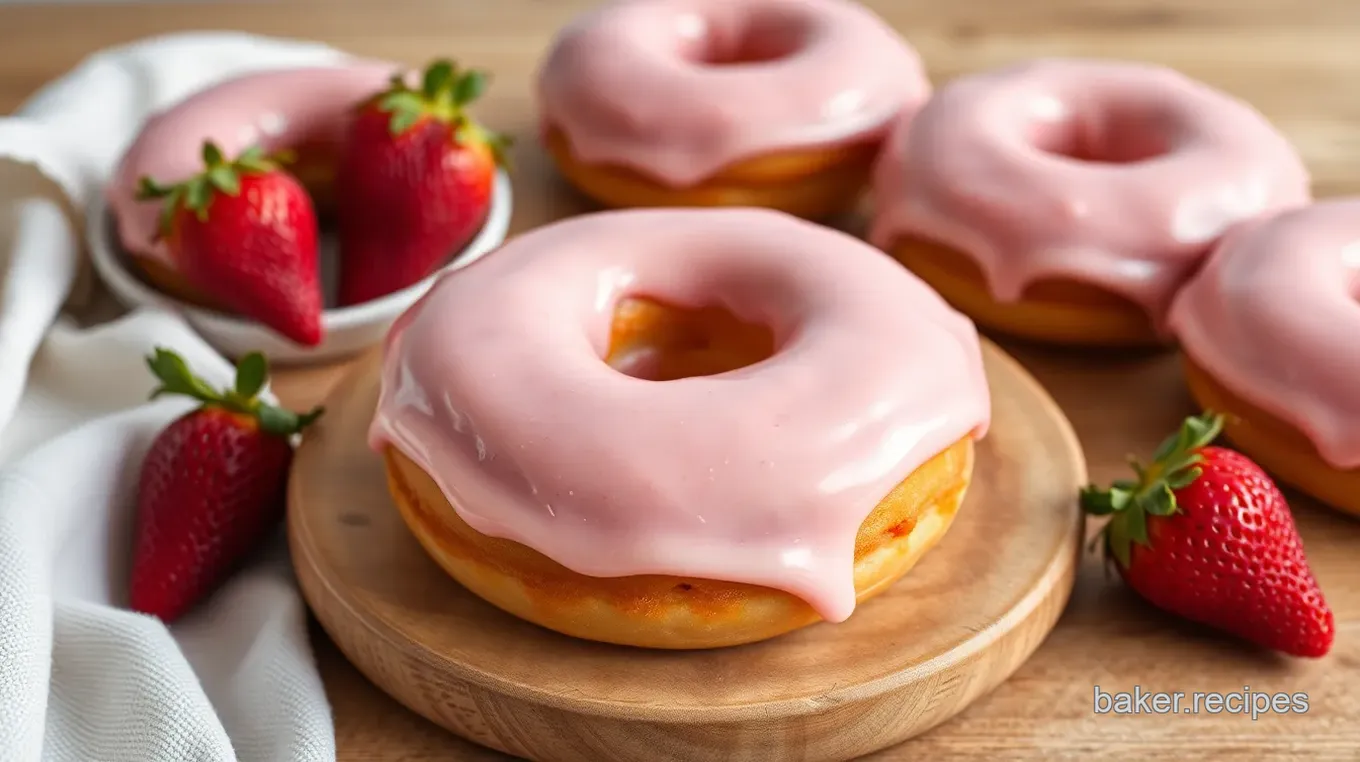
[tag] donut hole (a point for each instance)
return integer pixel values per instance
(763, 36)
(1123, 134)
(314, 164)
(659, 342)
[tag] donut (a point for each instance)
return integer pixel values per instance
(303, 111)
(782, 104)
(1267, 334)
(1065, 201)
(680, 428)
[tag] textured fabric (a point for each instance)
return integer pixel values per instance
(81, 678)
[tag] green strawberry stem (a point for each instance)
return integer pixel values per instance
(444, 94)
(1129, 502)
(243, 397)
(218, 176)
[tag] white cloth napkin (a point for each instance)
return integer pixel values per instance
(81, 678)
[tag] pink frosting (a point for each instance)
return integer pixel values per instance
(989, 167)
(1274, 315)
(494, 385)
(274, 109)
(640, 83)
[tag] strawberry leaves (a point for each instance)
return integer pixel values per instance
(252, 373)
(176, 378)
(1129, 502)
(444, 95)
(283, 422)
(444, 92)
(406, 108)
(470, 87)
(219, 174)
(196, 193)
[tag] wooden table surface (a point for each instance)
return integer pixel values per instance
(1296, 60)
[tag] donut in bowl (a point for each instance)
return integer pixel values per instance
(781, 104)
(301, 111)
(1267, 333)
(680, 428)
(1066, 201)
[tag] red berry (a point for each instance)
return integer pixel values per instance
(211, 487)
(1205, 534)
(414, 182)
(244, 233)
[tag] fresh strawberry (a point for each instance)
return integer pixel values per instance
(414, 182)
(211, 486)
(244, 232)
(1204, 534)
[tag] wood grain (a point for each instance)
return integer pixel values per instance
(959, 623)
(1296, 60)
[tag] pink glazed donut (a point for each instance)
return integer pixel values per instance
(772, 103)
(1068, 200)
(680, 428)
(1268, 330)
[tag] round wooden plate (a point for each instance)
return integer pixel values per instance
(957, 625)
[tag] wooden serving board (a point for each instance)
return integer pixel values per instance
(961, 622)
(1295, 60)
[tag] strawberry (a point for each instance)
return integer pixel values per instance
(245, 233)
(211, 487)
(414, 182)
(1205, 534)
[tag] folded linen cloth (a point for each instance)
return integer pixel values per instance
(82, 679)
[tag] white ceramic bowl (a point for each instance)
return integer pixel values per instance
(348, 330)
